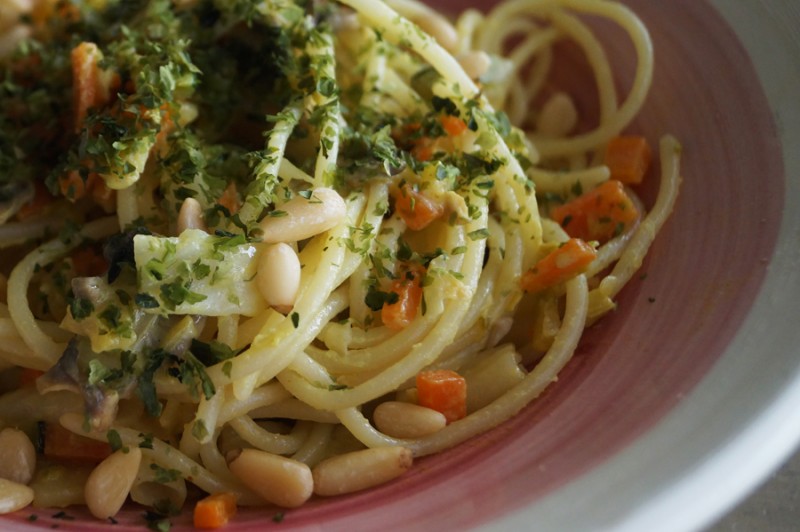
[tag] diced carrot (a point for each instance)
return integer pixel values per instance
(423, 149)
(397, 316)
(28, 376)
(215, 510)
(85, 79)
(600, 214)
(558, 266)
(445, 391)
(230, 199)
(415, 208)
(41, 199)
(88, 262)
(63, 445)
(453, 125)
(167, 127)
(628, 158)
(73, 187)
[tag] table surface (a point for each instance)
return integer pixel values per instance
(774, 507)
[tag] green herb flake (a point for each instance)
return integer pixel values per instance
(146, 441)
(157, 522)
(376, 299)
(115, 441)
(164, 475)
(199, 430)
(479, 234)
(145, 301)
(80, 308)
(177, 293)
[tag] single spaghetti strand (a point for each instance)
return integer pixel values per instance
(45, 349)
(635, 251)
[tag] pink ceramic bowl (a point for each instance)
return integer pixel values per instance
(680, 401)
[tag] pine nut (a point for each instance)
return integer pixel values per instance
(440, 29)
(360, 470)
(278, 276)
(110, 482)
(14, 496)
(17, 456)
(302, 218)
(277, 479)
(191, 216)
(558, 116)
(475, 63)
(406, 420)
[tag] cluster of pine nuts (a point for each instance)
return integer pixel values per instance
(278, 277)
(290, 483)
(278, 480)
(302, 217)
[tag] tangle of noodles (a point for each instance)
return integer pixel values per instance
(253, 224)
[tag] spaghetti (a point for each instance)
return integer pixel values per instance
(240, 232)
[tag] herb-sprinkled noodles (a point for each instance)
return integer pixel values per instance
(248, 226)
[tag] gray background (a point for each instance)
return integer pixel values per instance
(774, 507)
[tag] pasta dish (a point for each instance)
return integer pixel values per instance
(273, 250)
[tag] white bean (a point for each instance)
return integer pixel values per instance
(301, 218)
(110, 482)
(558, 116)
(475, 63)
(14, 496)
(277, 479)
(278, 276)
(17, 456)
(360, 470)
(406, 420)
(191, 216)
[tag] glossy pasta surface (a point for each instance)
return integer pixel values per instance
(245, 238)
